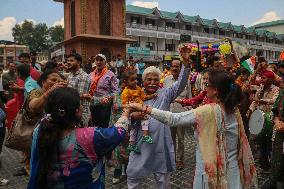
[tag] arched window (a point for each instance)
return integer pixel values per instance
(107, 53)
(72, 16)
(105, 17)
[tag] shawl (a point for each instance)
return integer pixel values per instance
(96, 78)
(212, 141)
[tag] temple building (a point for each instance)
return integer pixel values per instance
(95, 26)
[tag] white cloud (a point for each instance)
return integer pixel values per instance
(6, 25)
(28, 19)
(268, 17)
(59, 22)
(146, 4)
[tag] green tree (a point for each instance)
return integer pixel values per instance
(37, 37)
(56, 33)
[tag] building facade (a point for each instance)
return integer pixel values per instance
(93, 27)
(274, 26)
(158, 34)
(9, 52)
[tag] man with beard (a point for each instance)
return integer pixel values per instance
(79, 80)
(35, 64)
(264, 100)
(176, 108)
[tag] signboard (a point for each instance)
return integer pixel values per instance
(138, 50)
(185, 38)
(169, 57)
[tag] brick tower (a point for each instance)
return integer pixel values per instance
(95, 26)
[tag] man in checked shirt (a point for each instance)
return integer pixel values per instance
(78, 79)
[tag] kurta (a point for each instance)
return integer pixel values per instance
(158, 157)
(231, 134)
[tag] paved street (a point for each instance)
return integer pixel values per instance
(179, 179)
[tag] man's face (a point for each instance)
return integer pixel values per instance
(205, 78)
(175, 69)
(151, 83)
(72, 63)
(217, 64)
(266, 81)
(100, 63)
(281, 70)
(12, 67)
(244, 77)
(24, 60)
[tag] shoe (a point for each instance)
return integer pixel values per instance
(115, 180)
(20, 172)
(4, 182)
(133, 148)
(148, 139)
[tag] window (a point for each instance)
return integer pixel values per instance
(135, 20)
(170, 47)
(188, 27)
(10, 59)
(135, 44)
(107, 53)
(1, 60)
(170, 25)
(221, 32)
(105, 17)
(1, 51)
(150, 22)
(72, 14)
(150, 45)
(206, 30)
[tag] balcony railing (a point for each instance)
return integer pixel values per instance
(174, 33)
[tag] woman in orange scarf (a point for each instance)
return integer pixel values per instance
(223, 157)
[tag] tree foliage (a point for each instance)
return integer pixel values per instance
(38, 37)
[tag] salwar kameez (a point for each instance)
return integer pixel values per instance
(221, 167)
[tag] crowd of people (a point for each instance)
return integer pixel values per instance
(133, 118)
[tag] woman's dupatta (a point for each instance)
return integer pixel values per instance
(212, 141)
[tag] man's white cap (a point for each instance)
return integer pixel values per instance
(101, 55)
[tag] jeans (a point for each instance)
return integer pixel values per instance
(2, 137)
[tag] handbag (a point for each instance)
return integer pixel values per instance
(20, 135)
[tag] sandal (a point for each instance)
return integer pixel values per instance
(148, 139)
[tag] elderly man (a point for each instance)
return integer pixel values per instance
(157, 158)
(9, 78)
(176, 108)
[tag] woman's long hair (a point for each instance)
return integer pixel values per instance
(228, 92)
(61, 107)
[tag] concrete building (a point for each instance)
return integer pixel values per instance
(274, 26)
(9, 52)
(158, 34)
(93, 27)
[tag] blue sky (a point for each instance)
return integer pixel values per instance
(238, 12)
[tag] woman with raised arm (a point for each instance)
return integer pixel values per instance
(65, 156)
(223, 155)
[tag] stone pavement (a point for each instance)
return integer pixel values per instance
(179, 179)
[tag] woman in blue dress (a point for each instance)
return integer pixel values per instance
(65, 156)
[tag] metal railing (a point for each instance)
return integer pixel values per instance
(201, 34)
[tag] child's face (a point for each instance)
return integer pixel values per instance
(132, 81)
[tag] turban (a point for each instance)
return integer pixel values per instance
(268, 74)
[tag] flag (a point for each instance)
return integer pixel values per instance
(249, 64)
